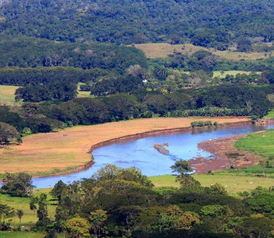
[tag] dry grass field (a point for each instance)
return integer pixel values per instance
(7, 94)
(50, 153)
(162, 50)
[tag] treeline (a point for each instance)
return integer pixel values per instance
(224, 100)
(19, 51)
(45, 75)
(207, 23)
(48, 83)
(117, 202)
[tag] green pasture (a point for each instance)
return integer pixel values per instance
(261, 143)
(23, 204)
(231, 182)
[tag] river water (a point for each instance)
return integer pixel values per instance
(141, 154)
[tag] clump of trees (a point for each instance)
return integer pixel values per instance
(203, 123)
(18, 185)
(8, 134)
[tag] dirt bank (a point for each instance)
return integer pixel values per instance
(225, 155)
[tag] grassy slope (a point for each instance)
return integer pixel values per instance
(162, 50)
(232, 183)
(270, 115)
(45, 153)
(7, 94)
(23, 203)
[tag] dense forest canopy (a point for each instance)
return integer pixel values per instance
(31, 52)
(215, 23)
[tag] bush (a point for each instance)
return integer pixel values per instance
(8, 134)
(203, 123)
(17, 185)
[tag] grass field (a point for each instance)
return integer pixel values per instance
(162, 50)
(232, 183)
(260, 143)
(82, 94)
(23, 203)
(270, 115)
(69, 148)
(25, 235)
(21, 235)
(7, 94)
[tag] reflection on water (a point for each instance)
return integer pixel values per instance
(141, 154)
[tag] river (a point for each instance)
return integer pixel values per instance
(141, 154)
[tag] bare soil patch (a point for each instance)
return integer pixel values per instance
(225, 156)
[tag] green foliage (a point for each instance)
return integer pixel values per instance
(17, 185)
(261, 203)
(6, 212)
(181, 167)
(119, 202)
(53, 91)
(214, 210)
(183, 170)
(244, 45)
(137, 22)
(8, 134)
(19, 214)
(39, 204)
(255, 227)
(58, 190)
(202, 123)
(77, 227)
(26, 52)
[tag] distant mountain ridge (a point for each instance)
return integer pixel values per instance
(210, 23)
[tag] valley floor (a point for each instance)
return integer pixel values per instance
(68, 150)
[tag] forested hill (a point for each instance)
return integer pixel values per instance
(215, 23)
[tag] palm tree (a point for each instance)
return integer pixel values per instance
(20, 214)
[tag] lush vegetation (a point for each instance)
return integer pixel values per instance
(31, 52)
(203, 123)
(142, 21)
(53, 49)
(18, 185)
(124, 203)
(224, 100)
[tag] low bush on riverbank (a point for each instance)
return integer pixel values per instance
(203, 123)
